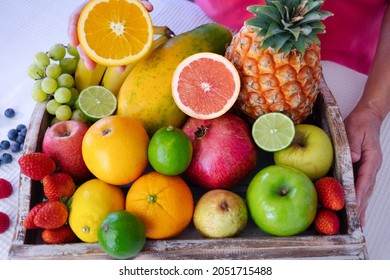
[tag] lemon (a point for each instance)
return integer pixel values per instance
(122, 234)
(90, 204)
(170, 151)
(273, 131)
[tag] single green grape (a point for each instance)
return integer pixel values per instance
(41, 60)
(38, 84)
(72, 51)
(75, 94)
(62, 95)
(57, 52)
(51, 106)
(78, 116)
(63, 113)
(53, 71)
(49, 85)
(34, 72)
(38, 95)
(54, 120)
(68, 65)
(65, 80)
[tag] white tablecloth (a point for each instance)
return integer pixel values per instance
(27, 27)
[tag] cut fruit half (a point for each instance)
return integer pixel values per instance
(273, 131)
(205, 85)
(96, 102)
(115, 33)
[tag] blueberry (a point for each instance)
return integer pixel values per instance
(23, 132)
(15, 147)
(12, 134)
(20, 139)
(6, 158)
(4, 145)
(20, 127)
(9, 113)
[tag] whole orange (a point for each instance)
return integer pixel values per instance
(115, 149)
(164, 203)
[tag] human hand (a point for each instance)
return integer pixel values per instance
(363, 129)
(73, 37)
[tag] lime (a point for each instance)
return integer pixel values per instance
(273, 131)
(96, 102)
(122, 234)
(170, 151)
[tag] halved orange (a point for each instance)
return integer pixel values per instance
(115, 32)
(205, 85)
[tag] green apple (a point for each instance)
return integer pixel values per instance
(220, 213)
(282, 200)
(311, 151)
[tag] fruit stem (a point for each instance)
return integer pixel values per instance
(164, 31)
(283, 191)
(299, 140)
(170, 128)
(224, 206)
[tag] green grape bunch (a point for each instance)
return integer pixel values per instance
(53, 72)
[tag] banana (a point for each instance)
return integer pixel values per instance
(85, 78)
(113, 78)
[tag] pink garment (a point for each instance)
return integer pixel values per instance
(351, 34)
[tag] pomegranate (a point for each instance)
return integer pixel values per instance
(224, 152)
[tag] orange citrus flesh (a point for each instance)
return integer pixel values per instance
(205, 85)
(115, 33)
(164, 203)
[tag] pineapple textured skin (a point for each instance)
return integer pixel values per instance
(272, 81)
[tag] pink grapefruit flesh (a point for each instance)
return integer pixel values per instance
(205, 85)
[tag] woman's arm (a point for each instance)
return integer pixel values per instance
(363, 125)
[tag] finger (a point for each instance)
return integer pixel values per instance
(362, 215)
(366, 179)
(121, 68)
(365, 183)
(89, 63)
(355, 143)
(72, 25)
(147, 5)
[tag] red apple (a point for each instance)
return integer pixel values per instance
(62, 142)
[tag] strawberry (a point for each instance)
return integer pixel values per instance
(326, 222)
(53, 214)
(59, 235)
(5, 188)
(36, 165)
(330, 193)
(28, 222)
(4, 222)
(58, 186)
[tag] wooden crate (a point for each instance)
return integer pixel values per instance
(252, 243)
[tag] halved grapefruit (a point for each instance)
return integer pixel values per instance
(205, 85)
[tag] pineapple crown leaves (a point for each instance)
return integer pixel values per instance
(288, 24)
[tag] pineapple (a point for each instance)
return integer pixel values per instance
(277, 54)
